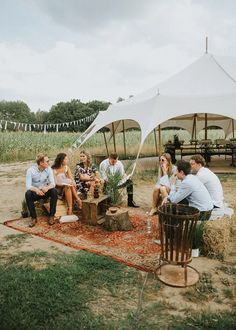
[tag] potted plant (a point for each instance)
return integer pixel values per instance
(197, 239)
(113, 189)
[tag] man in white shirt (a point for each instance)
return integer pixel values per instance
(40, 185)
(209, 179)
(112, 165)
(191, 190)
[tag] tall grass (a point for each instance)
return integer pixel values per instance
(22, 146)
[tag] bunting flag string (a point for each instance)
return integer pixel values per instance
(7, 124)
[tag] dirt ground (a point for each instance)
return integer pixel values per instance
(12, 181)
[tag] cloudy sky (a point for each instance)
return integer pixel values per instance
(57, 50)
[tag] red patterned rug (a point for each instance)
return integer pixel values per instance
(135, 247)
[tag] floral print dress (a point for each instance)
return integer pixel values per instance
(83, 186)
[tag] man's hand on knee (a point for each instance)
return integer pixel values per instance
(39, 192)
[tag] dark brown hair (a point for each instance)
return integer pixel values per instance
(59, 160)
(184, 166)
(113, 155)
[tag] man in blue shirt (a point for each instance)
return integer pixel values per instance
(191, 190)
(40, 184)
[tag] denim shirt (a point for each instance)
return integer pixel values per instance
(39, 179)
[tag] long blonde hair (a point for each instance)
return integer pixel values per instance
(87, 154)
(170, 165)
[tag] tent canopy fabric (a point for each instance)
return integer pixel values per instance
(206, 86)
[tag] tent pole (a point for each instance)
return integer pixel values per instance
(205, 126)
(114, 140)
(123, 123)
(155, 139)
(233, 127)
(105, 139)
(194, 126)
(159, 138)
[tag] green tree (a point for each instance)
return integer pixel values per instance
(98, 105)
(74, 110)
(41, 116)
(17, 111)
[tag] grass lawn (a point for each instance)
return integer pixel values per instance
(81, 290)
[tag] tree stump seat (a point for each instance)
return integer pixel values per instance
(117, 219)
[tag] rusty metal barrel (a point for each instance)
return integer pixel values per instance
(177, 226)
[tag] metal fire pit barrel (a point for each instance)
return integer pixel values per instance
(177, 226)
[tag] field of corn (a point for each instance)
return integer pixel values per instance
(23, 146)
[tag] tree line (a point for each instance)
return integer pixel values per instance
(18, 111)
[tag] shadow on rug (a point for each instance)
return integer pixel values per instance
(135, 248)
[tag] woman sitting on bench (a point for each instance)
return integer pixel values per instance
(65, 184)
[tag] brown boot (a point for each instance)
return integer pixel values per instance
(32, 222)
(51, 220)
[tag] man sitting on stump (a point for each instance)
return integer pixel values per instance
(112, 165)
(40, 185)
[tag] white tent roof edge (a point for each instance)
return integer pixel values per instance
(208, 85)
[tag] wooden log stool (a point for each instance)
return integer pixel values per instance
(94, 210)
(117, 219)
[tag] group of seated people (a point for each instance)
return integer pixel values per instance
(189, 183)
(57, 181)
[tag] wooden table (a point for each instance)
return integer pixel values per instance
(94, 209)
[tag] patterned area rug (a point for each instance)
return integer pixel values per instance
(135, 248)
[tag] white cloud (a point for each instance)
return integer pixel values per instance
(104, 49)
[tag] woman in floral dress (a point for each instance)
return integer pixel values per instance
(85, 174)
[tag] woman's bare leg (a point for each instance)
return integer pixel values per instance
(155, 197)
(155, 200)
(76, 197)
(164, 191)
(69, 199)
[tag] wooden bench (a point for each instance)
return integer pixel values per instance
(61, 208)
(94, 209)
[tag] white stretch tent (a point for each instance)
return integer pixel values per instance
(206, 86)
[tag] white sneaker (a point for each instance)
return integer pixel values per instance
(153, 211)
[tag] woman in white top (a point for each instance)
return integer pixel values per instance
(166, 172)
(64, 182)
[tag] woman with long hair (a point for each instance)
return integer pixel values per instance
(86, 174)
(162, 188)
(64, 182)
